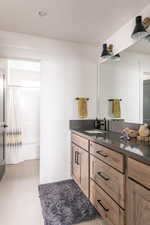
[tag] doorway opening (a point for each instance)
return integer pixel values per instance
(23, 111)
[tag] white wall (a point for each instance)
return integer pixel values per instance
(30, 102)
(68, 71)
(72, 73)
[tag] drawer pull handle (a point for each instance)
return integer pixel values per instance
(78, 155)
(75, 156)
(105, 177)
(101, 153)
(100, 203)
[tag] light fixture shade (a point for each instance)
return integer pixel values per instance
(116, 57)
(139, 30)
(105, 52)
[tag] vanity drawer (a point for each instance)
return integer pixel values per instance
(139, 172)
(108, 209)
(80, 141)
(109, 179)
(114, 159)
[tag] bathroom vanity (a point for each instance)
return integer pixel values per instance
(114, 175)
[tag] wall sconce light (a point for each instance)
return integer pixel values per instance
(146, 23)
(110, 49)
(113, 57)
(108, 53)
(139, 30)
(105, 52)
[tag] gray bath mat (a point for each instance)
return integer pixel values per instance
(63, 203)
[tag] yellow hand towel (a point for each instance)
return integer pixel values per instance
(116, 109)
(82, 108)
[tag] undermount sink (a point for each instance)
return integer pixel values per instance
(94, 131)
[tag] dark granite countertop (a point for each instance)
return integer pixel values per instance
(133, 148)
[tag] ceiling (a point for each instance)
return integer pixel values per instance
(87, 21)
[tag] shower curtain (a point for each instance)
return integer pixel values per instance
(14, 130)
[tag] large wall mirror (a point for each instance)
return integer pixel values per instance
(124, 89)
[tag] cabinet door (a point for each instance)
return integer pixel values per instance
(138, 208)
(76, 170)
(84, 163)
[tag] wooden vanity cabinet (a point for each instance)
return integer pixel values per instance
(84, 166)
(107, 184)
(118, 186)
(138, 193)
(138, 204)
(139, 172)
(108, 179)
(111, 213)
(108, 156)
(80, 141)
(76, 168)
(80, 163)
